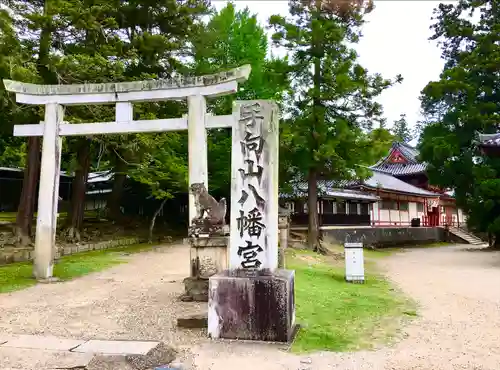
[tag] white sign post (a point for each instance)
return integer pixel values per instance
(354, 262)
(254, 186)
(123, 95)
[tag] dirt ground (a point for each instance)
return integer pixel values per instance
(458, 327)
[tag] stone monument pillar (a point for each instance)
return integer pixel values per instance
(253, 299)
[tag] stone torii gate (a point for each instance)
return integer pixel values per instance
(123, 95)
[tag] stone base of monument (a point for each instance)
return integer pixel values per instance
(193, 321)
(252, 305)
(208, 256)
(196, 289)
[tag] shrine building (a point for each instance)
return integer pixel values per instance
(397, 194)
(489, 144)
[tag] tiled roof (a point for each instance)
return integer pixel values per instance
(98, 191)
(386, 181)
(101, 176)
(411, 166)
(379, 180)
(12, 169)
(399, 169)
(329, 188)
(16, 169)
(408, 151)
(489, 139)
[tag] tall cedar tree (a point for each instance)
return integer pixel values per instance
(465, 101)
(401, 130)
(332, 107)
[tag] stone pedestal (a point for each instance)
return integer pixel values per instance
(208, 256)
(252, 305)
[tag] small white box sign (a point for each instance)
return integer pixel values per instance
(354, 262)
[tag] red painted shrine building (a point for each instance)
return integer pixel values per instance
(397, 194)
(401, 182)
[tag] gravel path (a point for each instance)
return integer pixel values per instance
(457, 290)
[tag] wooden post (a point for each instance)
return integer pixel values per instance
(197, 146)
(48, 195)
(284, 231)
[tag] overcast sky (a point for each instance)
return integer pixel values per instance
(395, 41)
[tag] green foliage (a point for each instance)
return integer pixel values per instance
(15, 64)
(461, 103)
(401, 130)
(231, 39)
(78, 41)
(332, 108)
(328, 114)
(381, 140)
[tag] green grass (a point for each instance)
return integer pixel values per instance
(11, 216)
(19, 275)
(8, 216)
(339, 316)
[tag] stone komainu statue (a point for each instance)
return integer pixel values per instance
(210, 215)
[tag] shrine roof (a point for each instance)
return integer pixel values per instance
(329, 188)
(489, 139)
(385, 181)
(401, 160)
(17, 169)
(11, 169)
(380, 180)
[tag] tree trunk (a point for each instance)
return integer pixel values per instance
(153, 220)
(74, 221)
(312, 198)
(26, 207)
(495, 243)
(317, 110)
(47, 28)
(114, 200)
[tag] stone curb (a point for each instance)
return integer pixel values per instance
(23, 254)
(93, 346)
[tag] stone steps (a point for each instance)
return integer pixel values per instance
(468, 237)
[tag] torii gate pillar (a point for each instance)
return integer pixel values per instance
(48, 194)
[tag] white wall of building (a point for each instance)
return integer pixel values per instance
(386, 217)
(412, 210)
(462, 217)
(394, 217)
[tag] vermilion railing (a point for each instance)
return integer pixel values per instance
(447, 220)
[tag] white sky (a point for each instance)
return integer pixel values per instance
(395, 41)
